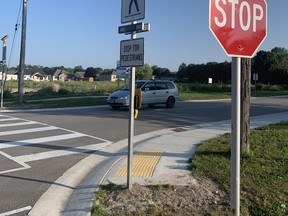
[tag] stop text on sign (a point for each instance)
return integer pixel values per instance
(247, 16)
(134, 48)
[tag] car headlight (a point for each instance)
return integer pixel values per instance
(124, 97)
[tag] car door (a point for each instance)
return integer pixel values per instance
(148, 93)
(162, 92)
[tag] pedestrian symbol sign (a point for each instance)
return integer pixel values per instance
(132, 10)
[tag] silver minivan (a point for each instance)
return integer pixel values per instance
(153, 92)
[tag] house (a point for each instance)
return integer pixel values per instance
(59, 75)
(79, 76)
(35, 75)
(10, 75)
(108, 76)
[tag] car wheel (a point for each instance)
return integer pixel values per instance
(170, 102)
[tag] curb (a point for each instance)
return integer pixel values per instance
(60, 192)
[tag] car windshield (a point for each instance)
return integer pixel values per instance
(137, 85)
(126, 88)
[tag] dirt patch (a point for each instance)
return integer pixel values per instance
(202, 198)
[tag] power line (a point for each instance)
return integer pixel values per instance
(15, 32)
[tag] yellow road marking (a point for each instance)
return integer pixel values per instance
(144, 163)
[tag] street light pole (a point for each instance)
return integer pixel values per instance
(22, 53)
(4, 67)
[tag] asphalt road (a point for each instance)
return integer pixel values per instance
(37, 147)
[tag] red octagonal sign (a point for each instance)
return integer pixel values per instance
(240, 26)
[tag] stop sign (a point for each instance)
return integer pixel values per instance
(240, 26)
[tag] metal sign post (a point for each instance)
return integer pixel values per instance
(235, 126)
(131, 122)
(131, 55)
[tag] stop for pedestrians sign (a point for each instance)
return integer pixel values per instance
(240, 26)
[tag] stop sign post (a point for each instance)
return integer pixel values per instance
(240, 26)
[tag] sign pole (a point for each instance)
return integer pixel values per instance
(131, 121)
(235, 147)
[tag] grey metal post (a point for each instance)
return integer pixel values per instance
(131, 122)
(235, 147)
(3, 67)
(3, 73)
(22, 53)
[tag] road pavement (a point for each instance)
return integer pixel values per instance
(160, 157)
(38, 146)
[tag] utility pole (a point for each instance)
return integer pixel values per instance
(245, 104)
(22, 53)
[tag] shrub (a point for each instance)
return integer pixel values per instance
(196, 87)
(7, 94)
(63, 92)
(44, 92)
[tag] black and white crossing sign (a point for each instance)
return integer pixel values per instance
(132, 10)
(132, 53)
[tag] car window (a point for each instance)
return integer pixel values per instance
(161, 85)
(149, 87)
(170, 85)
(139, 84)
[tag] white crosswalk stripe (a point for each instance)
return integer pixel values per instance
(18, 124)
(31, 130)
(59, 153)
(20, 127)
(40, 140)
(8, 119)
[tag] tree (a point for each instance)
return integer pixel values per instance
(98, 70)
(272, 66)
(143, 72)
(160, 72)
(182, 72)
(90, 72)
(78, 68)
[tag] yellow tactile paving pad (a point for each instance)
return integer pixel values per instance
(144, 163)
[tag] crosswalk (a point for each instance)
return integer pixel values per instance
(23, 141)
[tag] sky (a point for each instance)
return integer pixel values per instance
(70, 33)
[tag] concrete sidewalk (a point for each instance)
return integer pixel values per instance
(160, 157)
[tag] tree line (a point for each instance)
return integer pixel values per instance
(271, 67)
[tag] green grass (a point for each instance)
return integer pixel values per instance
(204, 95)
(264, 172)
(48, 90)
(69, 102)
(268, 93)
(101, 195)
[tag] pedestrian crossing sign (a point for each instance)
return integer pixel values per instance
(132, 10)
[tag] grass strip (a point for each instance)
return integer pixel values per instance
(62, 103)
(264, 171)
